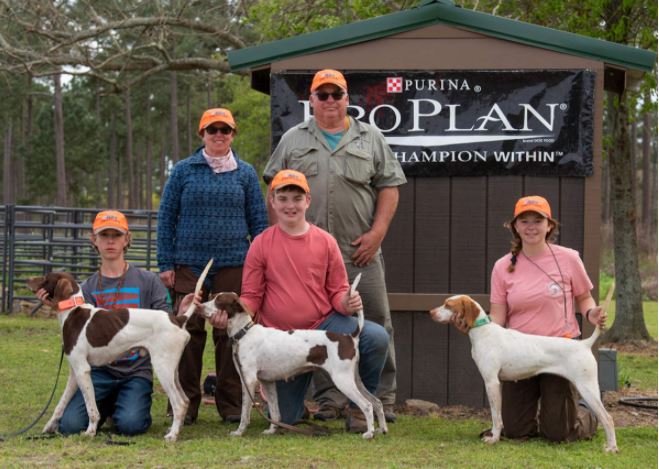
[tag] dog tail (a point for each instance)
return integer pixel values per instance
(360, 312)
(590, 341)
(200, 283)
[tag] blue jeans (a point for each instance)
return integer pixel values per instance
(127, 401)
(373, 343)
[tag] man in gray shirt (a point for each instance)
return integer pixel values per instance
(354, 179)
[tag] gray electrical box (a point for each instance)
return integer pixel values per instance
(607, 369)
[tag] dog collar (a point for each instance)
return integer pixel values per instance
(241, 333)
(70, 303)
(481, 322)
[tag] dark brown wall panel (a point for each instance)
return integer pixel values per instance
(398, 245)
(465, 385)
(403, 323)
(430, 359)
(432, 235)
(570, 212)
(502, 193)
(468, 225)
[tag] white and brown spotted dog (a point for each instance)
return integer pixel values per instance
(508, 355)
(95, 337)
(267, 355)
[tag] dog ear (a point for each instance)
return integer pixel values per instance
(63, 289)
(470, 309)
(35, 283)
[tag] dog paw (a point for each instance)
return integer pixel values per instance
(367, 435)
(50, 427)
(236, 433)
(171, 437)
(490, 440)
(270, 431)
(611, 449)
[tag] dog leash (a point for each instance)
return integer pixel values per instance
(50, 399)
(314, 430)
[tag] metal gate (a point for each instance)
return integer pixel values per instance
(36, 240)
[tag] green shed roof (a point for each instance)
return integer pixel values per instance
(431, 12)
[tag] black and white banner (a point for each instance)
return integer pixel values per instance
(465, 123)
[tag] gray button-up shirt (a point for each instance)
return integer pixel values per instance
(344, 182)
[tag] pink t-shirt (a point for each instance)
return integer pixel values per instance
(534, 299)
(294, 282)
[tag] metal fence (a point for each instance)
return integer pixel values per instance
(36, 240)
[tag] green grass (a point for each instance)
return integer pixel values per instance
(30, 352)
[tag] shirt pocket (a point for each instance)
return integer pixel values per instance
(358, 166)
(304, 160)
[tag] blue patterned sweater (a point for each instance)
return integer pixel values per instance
(205, 214)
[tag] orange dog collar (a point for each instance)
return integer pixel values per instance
(70, 303)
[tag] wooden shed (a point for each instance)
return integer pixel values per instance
(448, 230)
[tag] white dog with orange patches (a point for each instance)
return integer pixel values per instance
(509, 355)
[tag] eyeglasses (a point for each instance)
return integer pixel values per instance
(223, 130)
(322, 96)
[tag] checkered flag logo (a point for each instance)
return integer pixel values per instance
(394, 84)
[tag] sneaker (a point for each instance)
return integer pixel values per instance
(355, 421)
(327, 412)
(389, 414)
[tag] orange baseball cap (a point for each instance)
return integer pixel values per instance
(533, 203)
(110, 220)
(289, 177)
(218, 114)
(328, 76)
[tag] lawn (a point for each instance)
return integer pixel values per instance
(30, 351)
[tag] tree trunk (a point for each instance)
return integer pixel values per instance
(633, 133)
(149, 173)
(132, 185)
(113, 198)
(629, 324)
(188, 119)
(173, 117)
(647, 172)
(7, 177)
(59, 144)
(162, 162)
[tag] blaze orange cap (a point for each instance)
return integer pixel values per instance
(110, 220)
(218, 114)
(289, 177)
(328, 76)
(533, 203)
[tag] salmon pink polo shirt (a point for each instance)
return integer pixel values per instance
(532, 292)
(294, 282)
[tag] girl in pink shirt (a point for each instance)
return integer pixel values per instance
(534, 290)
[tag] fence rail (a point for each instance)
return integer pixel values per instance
(35, 240)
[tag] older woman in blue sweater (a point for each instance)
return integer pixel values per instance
(211, 207)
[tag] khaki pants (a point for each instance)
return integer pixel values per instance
(559, 417)
(228, 392)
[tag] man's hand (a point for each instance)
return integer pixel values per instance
(186, 301)
(368, 243)
(219, 319)
(352, 303)
(42, 294)
(167, 278)
(460, 324)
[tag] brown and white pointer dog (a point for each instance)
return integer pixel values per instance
(96, 336)
(267, 355)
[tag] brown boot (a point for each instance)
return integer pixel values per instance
(355, 421)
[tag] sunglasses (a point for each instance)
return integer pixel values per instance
(223, 130)
(322, 96)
